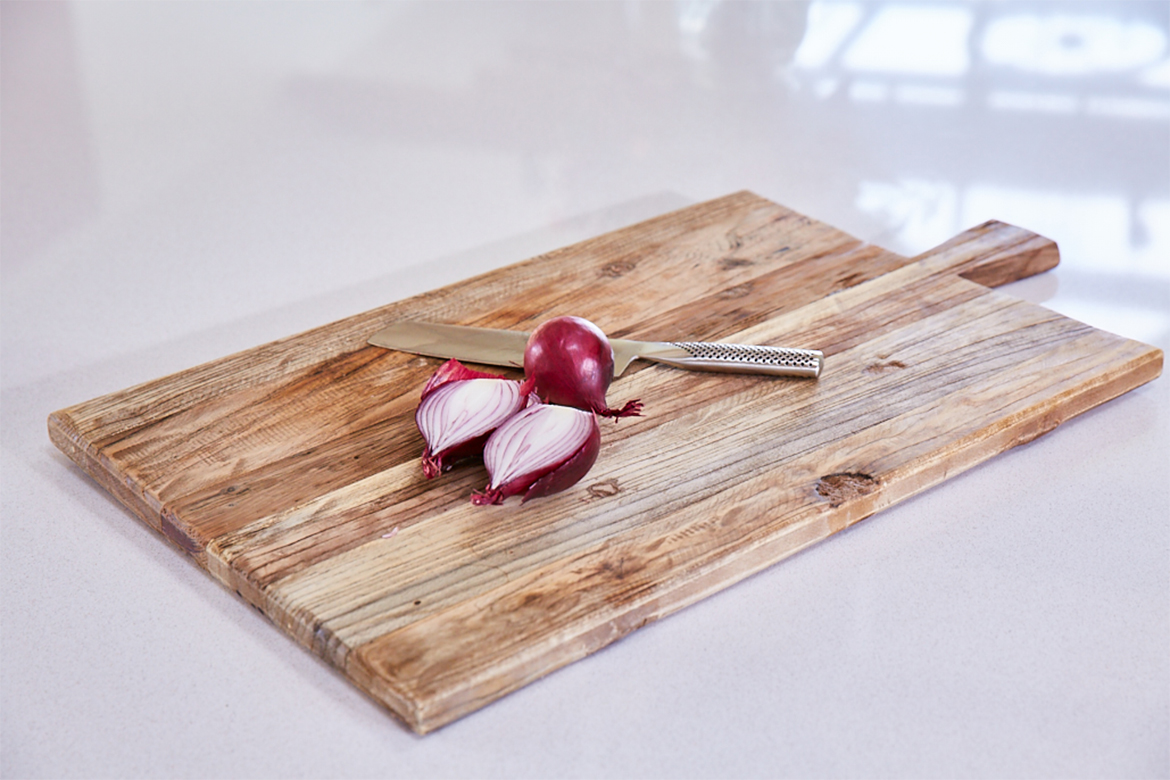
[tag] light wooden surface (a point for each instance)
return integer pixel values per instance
(281, 469)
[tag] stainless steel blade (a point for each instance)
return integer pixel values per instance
(506, 348)
(496, 347)
(473, 345)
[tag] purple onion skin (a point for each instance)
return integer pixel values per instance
(571, 361)
(471, 450)
(545, 482)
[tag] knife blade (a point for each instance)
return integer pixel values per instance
(506, 348)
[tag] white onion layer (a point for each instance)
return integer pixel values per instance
(460, 411)
(534, 439)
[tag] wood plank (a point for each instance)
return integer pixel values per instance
(282, 468)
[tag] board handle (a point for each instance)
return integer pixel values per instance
(740, 358)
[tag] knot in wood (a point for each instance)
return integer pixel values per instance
(729, 263)
(604, 489)
(618, 268)
(839, 488)
(880, 367)
(738, 291)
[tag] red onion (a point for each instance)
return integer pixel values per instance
(460, 408)
(571, 361)
(453, 371)
(540, 451)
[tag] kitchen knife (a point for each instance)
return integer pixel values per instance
(506, 348)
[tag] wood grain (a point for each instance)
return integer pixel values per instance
(284, 469)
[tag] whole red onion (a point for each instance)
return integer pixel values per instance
(571, 362)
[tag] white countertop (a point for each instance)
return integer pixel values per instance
(184, 180)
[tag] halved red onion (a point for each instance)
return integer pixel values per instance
(459, 410)
(571, 361)
(454, 371)
(542, 450)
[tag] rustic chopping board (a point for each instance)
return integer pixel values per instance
(291, 471)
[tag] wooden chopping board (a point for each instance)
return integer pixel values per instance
(291, 473)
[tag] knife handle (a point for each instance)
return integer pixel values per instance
(744, 359)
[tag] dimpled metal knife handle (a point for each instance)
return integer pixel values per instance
(745, 359)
